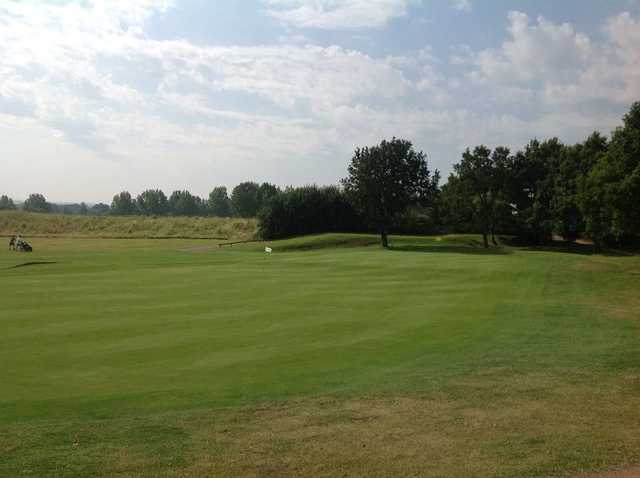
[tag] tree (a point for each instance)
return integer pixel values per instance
(265, 193)
(307, 210)
(568, 185)
(152, 202)
(384, 180)
(477, 174)
(183, 203)
(83, 210)
(100, 209)
(219, 204)
(457, 210)
(123, 204)
(612, 189)
(245, 199)
(530, 188)
(36, 203)
(6, 203)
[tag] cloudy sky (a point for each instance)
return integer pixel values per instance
(97, 96)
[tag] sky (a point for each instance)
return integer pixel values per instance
(100, 96)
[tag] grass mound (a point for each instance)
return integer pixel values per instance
(141, 227)
(445, 243)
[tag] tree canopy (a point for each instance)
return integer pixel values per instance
(219, 204)
(6, 203)
(123, 204)
(385, 179)
(152, 202)
(36, 203)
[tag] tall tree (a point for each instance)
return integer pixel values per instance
(123, 204)
(183, 203)
(569, 178)
(531, 188)
(152, 202)
(457, 210)
(476, 172)
(384, 180)
(266, 192)
(219, 204)
(37, 203)
(612, 189)
(100, 209)
(245, 199)
(6, 203)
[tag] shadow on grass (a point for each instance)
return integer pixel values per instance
(450, 249)
(34, 263)
(580, 249)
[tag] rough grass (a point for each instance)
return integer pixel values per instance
(52, 225)
(330, 357)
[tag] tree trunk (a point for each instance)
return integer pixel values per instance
(485, 239)
(384, 239)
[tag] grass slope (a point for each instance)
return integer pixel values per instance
(48, 225)
(329, 357)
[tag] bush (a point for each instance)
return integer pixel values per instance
(307, 210)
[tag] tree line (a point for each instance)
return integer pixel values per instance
(546, 189)
(246, 200)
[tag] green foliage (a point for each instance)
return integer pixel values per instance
(7, 204)
(532, 188)
(100, 209)
(480, 179)
(152, 202)
(248, 198)
(307, 210)
(384, 180)
(265, 193)
(123, 204)
(612, 188)
(183, 203)
(36, 203)
(245, 199)
(219, 204)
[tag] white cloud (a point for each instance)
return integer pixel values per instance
(462, 5)
(336, 14)
(560, 63)
(89, 83)
(543, 50)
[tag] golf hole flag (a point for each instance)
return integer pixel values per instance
(268, 250)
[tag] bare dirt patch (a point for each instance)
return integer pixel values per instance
(558, 433)
(593, 265)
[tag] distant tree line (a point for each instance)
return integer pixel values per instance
(246, 200)
(589, 189)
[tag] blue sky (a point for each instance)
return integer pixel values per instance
(97, 96)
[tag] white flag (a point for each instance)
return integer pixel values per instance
(268, 250)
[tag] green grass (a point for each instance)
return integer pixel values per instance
(331, 356)
(58, 225)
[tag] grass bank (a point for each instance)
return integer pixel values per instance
(58, 225)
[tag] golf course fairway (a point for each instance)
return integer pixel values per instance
(328, 357)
